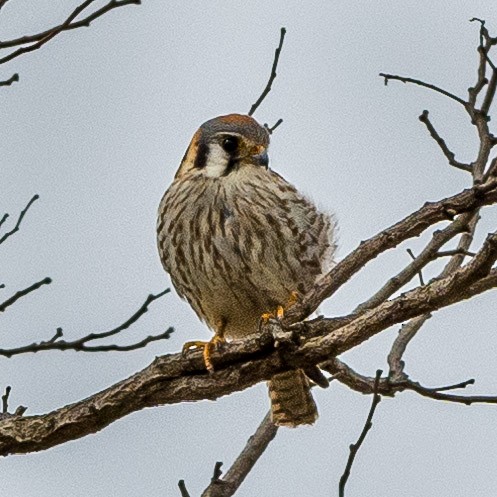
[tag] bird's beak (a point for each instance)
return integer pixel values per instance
(261, 158)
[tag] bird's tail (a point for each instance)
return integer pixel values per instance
(291, 400)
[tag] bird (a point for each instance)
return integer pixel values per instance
(239, 241)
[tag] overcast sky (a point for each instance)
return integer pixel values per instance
(97, 126)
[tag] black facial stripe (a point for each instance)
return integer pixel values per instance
(201, 159)
(231, 165)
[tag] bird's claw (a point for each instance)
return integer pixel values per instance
(208, 348)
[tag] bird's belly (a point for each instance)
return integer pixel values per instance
(234, 257)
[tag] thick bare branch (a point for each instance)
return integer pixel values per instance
(183, 378)
(408, 331)
(411, 226)
(428, 254)
(255, 447)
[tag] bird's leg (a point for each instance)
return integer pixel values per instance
(209, 346)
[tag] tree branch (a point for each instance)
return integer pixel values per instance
(183, 378)
(388, 387)
(424, 118)
(39, 39)
(418, 82)
(354, 448)
(21, 293)
(428, 254)
(272, 76)
(411, 226)
(15, 229)
(12, 79)
(81, 344)
(255, 447)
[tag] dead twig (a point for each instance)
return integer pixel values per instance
(12, 79)
(81, 344)
(354, 448)
(15, 229)
(21, 293)
(424, 118)
(272, 128)
(111, 5)
(272, 76)
(5, 406)
(39, 39)
(390, 387)
(182, 489)
(418, 82)
(5, 400)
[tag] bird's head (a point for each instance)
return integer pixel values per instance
(224, 144)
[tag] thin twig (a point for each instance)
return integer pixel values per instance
(48, 36)
(12, 79)
(420, 272)
(5, 399)
(21, 293)
(272, 76)
(438, 395)
(450, 253)
(4, 218)
(15, 229)
(367, 426)
(423, 84)
(424, 118)
(81, 344)
(387, 387)
(85, 22)
(142, 310)
(182, 489)
(272, 128)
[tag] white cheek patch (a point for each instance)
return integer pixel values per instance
(217, 161)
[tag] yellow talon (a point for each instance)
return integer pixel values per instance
(267, 316)
(208, 347)
(280, 310)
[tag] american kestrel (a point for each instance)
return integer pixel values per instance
(239, 241)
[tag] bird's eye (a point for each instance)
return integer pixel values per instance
(230, 144)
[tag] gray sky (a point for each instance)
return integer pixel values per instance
(97, 126)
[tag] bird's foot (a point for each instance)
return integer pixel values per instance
(280, 310)
(208, 348)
